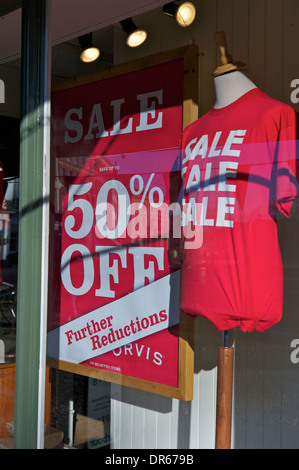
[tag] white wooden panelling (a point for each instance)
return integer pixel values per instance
(274, 48)
(265, 35)
(240, 31)
(256, 41)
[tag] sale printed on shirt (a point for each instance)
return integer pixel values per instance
(118, 223)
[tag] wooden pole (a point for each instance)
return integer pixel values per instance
(224, 394)
(226, 60)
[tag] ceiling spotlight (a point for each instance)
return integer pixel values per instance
(89, 52)
(135, 36)
(184, 13)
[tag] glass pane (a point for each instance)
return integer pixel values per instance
(9, 193)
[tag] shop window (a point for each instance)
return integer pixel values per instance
(9, 201)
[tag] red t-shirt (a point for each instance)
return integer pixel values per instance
(239, 167)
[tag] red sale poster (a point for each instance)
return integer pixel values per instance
(115, 143)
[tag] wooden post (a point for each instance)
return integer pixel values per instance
(224, 395)
(226, 60)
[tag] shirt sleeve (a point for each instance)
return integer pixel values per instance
(287, 189)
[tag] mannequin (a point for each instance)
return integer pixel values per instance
(231, 86)
(238, 164)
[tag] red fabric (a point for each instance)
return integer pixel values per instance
(235, 279)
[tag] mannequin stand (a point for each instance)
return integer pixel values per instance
(230, 84)
(224, 392)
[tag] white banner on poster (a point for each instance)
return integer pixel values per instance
(141, 313)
